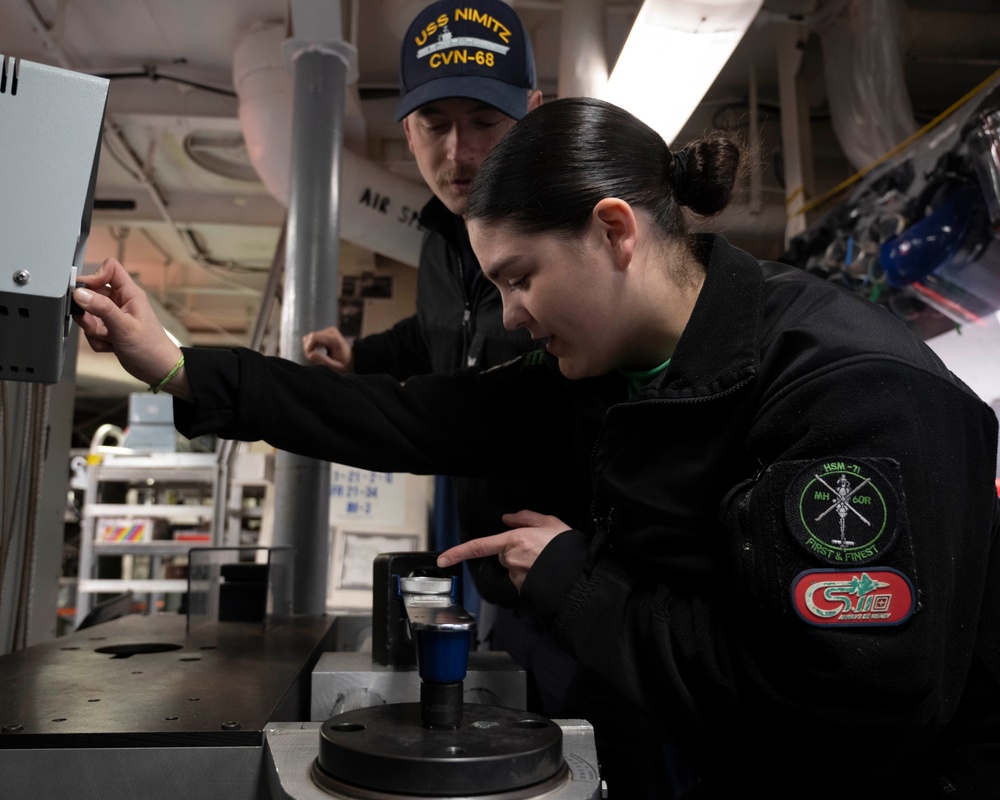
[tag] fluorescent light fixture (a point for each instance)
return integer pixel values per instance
(673, 54)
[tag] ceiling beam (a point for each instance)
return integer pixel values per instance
(189, 208)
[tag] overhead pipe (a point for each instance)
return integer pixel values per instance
(870, 107)
(794, 134)
(583, 58)
(379, 211)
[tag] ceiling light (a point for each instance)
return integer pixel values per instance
(673, 54)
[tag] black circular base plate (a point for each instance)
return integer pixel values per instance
(388, 749)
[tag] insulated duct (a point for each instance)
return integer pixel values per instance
(869, 105)
(379, 210)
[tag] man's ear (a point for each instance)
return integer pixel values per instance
(534, 100)
(615, 221)
(406, 130)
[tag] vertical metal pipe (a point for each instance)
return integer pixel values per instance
(789, 59)
(583, 57)
(302, 485)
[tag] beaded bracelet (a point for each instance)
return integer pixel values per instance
(156, 389)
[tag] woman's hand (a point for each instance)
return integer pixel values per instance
(516, 549)
(117, 318)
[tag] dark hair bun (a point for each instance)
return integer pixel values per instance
(711, 167)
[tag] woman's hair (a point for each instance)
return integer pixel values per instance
(550, 170)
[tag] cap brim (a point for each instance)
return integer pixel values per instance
(511, 100)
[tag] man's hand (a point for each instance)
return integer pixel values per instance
(516, 549)
(329, 348)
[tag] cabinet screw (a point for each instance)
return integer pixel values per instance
(22, 277)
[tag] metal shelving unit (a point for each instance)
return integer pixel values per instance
(171, 489)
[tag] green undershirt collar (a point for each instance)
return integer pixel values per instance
(639, 379)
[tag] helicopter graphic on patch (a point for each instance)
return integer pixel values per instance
(842, 511)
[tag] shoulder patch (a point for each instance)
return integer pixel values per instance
(859, 598)
(843, 511)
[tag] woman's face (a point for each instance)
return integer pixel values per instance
(566, 293)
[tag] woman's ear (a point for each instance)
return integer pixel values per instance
(615, 221)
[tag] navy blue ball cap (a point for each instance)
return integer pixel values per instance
(477, 49)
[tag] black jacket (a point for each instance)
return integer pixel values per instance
(454, 325)
(718, 590)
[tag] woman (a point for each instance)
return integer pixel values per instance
(792, 568)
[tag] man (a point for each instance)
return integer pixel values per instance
(467, 74)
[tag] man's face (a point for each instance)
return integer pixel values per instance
(450, 138)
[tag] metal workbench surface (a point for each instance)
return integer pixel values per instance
(144, 681)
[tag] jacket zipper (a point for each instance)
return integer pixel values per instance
(467, 358)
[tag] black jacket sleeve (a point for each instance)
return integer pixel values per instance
(454, 424)
(400, 351)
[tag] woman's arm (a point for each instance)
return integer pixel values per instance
(117, 318)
